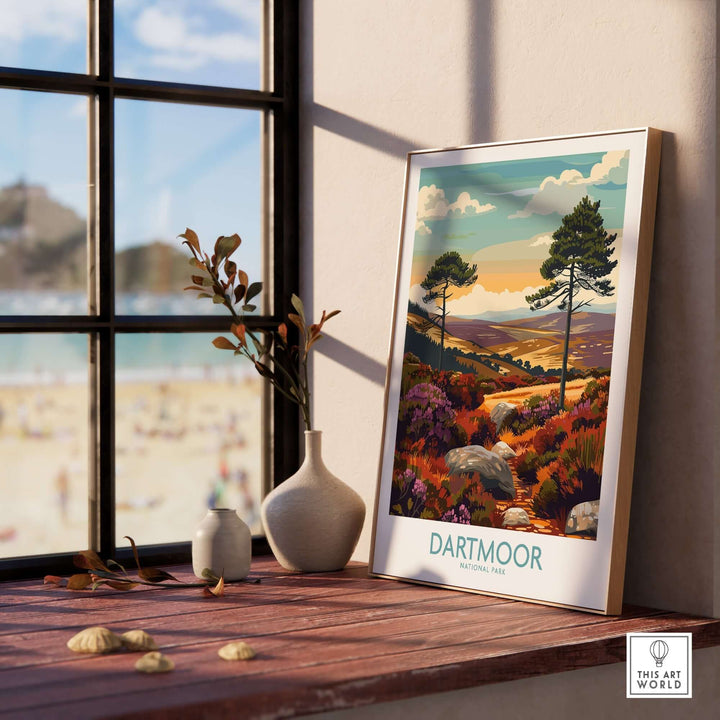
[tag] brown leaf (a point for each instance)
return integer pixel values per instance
(216, 591)
(134, 551)
(253, 290)
(242, 278)
(79, 581)
(223, 343)
(119, 584)
(282, 331)
(89, 560)
(297, 321)
(264, 370)
(230, 269)
(226, 246)
(55, 580)
(155, 575)
(239, 292)
(191, 239)
(238, 330)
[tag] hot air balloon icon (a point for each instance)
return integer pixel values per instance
(659, 650)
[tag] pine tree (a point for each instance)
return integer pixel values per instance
(449, 270)
(579, 260)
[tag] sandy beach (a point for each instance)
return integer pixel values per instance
(182, 445)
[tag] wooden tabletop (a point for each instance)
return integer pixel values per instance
(323, 641)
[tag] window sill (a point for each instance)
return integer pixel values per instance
(324, 642)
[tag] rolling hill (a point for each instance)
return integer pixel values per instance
(538, 340)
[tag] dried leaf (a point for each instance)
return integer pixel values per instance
(208, 574)
(225, 247)
(222, 343)
(297, 321)
(297, 303)
(249, 308)
(238, 330)
(55, 580)
(330, 315)
(118, 584)
(155, 575)
(89, 560)
(242, 278)
(230, 269)
(204, 295)
(112, 563)
(218, 299)
(194, 287)
(194, 262)
(239, 292)
(252, 291)
(79, 581)
(216, 591)
(191, 239)
(264, 370)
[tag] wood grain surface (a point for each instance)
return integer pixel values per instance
(324, 642)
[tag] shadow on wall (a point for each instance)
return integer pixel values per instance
(479, 70)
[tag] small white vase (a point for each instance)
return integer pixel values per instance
(222, 543)
(313, 520)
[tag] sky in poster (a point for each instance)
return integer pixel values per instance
(176, 166)
(501, 216)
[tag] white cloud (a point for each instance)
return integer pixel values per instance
(542, 240)
(64, 20)
(421, 228)
(433, 205)
(181, 41)
(612, 168)
(561, 194)
(480, 300)
(246, 10)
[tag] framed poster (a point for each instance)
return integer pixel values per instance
(513, 381)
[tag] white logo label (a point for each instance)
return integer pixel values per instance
(659, 665)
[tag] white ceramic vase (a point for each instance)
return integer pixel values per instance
(313, 520)
(222, 543)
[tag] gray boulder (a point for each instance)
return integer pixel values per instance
(503, 450)
(515, 517)
(495, 473)
(501, 412)
(583, 519)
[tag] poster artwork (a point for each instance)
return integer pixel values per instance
(509, 342)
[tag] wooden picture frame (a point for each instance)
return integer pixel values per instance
(512, 390)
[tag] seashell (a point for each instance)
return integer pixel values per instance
(236, 651)
(154, 662)
(94, 640)
(138, 640)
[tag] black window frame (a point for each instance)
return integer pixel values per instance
(282, 104)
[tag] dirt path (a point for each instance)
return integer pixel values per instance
(573, 390)
(523, 500)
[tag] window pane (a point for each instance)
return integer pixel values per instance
(181, 166)
(43, 203)
(188, 436)
(190, 41)
(44, 34)
(43, 444)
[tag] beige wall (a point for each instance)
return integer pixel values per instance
(382, 77)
